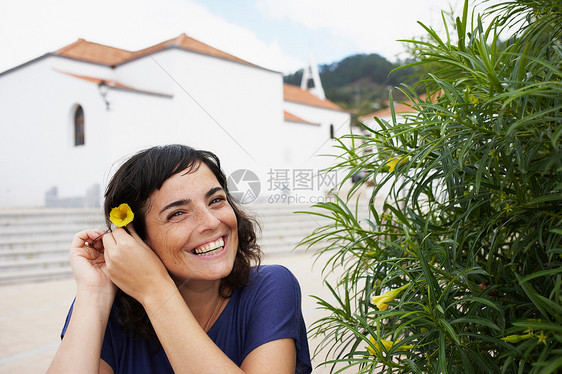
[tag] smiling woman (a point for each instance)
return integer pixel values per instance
(179, 289)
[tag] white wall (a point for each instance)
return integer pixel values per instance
(232, 109)
(81, 68)
(145, 74)
(37, 148)
(317, 139)
(308, 150)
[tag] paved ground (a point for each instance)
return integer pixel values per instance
(32, 314)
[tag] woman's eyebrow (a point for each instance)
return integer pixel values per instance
(183, 202)
(175, 204)
(212, 191)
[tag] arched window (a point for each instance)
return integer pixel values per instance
(332, 135)
(79, 133)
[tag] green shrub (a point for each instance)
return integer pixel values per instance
(469, 237)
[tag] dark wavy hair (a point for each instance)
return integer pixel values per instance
(135, 181)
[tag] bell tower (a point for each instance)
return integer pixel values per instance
(310, 73)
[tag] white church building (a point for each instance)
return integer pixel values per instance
(68, 118)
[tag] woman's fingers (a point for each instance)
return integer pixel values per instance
(87, 261)
(109, 239)
(133, 232)
(136, 236)
(121, 247)
(128, 237)
(86, 243)
(132, 265)
(85, 236)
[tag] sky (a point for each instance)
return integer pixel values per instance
(282, 35)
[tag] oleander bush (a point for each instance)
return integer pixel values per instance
(460, 271)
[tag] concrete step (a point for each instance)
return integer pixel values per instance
(284, 228)
(293, 217)
(21, 276)
(34, 241)
(36, 263)
(281, 250)
(289, 237)
(10, 216)
(288, 241)
(27, 231)
(50, 221)
(46, 250)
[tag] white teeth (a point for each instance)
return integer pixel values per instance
(209, 248)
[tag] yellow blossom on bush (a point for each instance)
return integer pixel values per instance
(542, 337)
(473, 99)
(388, 344)
(381, 300)
(395, 161)
(122, 215)
(516, 338)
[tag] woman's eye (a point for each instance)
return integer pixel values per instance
(175, 214)
(217, 200)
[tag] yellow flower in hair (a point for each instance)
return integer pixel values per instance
(381, 300)
(388, 344)
(122, 215)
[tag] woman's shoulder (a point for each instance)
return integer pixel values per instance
(271, 273)
(272, 281)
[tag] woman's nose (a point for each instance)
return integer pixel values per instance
(206, 220)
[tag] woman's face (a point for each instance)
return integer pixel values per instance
(191, 226)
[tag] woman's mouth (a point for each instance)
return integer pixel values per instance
(210, 248)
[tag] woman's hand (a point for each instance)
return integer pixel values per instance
(134, 267)
(88, 263)
(80, 349)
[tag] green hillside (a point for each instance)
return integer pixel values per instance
(359, 83)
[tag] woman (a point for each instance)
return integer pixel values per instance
(175, 291)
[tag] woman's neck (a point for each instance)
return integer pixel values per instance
(203, 299)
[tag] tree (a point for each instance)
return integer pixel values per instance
(461, 271)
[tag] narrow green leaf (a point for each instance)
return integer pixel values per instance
(475, 299)
(543, 273)
(413, 366)
(450, 330)
(553, 367)
(442, 359)
(476, 320)
(545, 199)
(547, 308)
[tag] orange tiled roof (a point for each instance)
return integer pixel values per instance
(110, 83)
(295, 94)
(403, 107)
(185, 42)
(294, 118)
(102, 54)
(96, 80)
(94, 52)
(398, 108)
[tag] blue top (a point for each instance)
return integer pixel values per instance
(268, 309)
